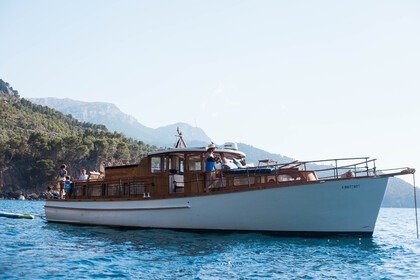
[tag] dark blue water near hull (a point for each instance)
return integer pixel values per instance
(36, 249)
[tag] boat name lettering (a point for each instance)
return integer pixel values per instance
(350, 186)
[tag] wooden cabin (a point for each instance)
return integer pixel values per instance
(181, 172)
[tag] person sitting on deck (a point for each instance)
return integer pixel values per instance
(227, 164)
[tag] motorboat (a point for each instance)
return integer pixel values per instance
(170, 189)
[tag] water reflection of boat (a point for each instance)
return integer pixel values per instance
(170, 189)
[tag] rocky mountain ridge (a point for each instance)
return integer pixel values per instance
(115, 120)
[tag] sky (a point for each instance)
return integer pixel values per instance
(304, 79)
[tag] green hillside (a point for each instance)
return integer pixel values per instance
(35, 140)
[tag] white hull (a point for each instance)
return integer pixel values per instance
(339, 206)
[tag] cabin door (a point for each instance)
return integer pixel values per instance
(176, 175)
(176, 183)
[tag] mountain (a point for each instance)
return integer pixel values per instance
(398, 194)
(109, 115)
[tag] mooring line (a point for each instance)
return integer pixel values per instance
(415, 205)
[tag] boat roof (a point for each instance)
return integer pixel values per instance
(197, 150)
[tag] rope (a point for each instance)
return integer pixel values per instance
(415, 205)
(43, 217)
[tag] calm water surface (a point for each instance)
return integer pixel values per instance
(35, 249)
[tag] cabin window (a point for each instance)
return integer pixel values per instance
(173, 168)
(163, 165)
(176, 165)
(181, 165)
(194, 163)
(158, 164)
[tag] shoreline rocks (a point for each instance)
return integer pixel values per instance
(24, 196)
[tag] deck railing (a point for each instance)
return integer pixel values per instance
(341, 167)
(292, 173)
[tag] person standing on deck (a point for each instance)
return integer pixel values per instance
(210, 166)
(83, 175)
(62, 178)
(68, 187)
(83, 178)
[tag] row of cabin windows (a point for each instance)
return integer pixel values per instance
(176, 164)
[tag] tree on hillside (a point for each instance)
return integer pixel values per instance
(35, 140)
(43, 171)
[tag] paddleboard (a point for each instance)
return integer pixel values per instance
(16, 216)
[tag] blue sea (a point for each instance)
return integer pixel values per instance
(36, 249)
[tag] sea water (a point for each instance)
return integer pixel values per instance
(37, 249)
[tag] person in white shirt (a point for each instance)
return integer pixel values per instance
(83, 175)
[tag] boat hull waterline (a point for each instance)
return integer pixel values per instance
(348, 206)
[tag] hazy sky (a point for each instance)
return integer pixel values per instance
(306, 79)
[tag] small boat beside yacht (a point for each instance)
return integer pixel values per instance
(171, 189)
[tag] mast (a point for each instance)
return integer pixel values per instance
(180, 143)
